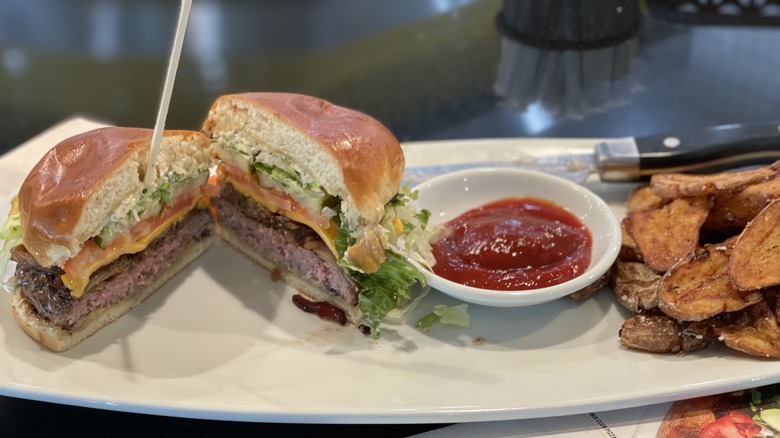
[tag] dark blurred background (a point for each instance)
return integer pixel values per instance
(429, 69)
(404, 61)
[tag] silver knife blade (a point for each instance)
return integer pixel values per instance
(712, 149)
(575, 167)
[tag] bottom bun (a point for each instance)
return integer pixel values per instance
(305, 287)
(59, 339)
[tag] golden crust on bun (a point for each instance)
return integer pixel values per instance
(78, 184)
(349, 154)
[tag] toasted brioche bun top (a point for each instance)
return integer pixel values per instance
(363, 161)
(350, 154)
(70, 194)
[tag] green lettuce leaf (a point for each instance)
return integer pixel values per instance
(453, 315)
(343, 240)
(423, 217)
(386, 288)
(164, 192)
(311, 195)
(285, 177)
(389, 287)
(150, 203)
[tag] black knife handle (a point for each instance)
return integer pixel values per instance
(713, 149)
(709, 150)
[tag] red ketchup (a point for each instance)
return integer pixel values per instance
(513, 244)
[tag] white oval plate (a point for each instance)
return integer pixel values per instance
(223, 341)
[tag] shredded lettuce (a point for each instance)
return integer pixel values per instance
(343, 239)
(405, 228)
(164, 192)
(149, 203)
(423, 217)
(233, 152)
(453, 315)
(275, 171)
(11, 233)
(287, 177)
(310, 194)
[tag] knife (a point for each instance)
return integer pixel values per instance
(624, 159)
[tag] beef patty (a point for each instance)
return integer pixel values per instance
(44, 289)
(289, 244)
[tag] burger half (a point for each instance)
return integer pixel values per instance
(312, 191)
(91, 239)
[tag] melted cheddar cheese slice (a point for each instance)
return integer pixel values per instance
(91, 258)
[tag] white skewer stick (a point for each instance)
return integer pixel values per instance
(173, 65)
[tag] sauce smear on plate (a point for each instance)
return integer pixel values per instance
(513, 244)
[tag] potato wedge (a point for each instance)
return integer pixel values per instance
(699, 287)
(771, 296)
(634, 285)
(666, 235)
(643, 199)
(680, 185)
(753, 330)
(663, 334)
(687, 292)
(755, 261)
(629, 251)
(730, 213)
(591, 289)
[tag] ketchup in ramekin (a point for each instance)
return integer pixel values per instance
(513, 244)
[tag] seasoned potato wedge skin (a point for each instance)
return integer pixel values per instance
(658, 333)
(681, 185)
(629, 250)
(699, 286)
(755, 263)
(591, 289)
(731, 212)
(753, 330)
(643, 199)
(635, 285)
(666, 235)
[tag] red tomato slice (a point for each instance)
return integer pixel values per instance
(277, 198)
(92, 253)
